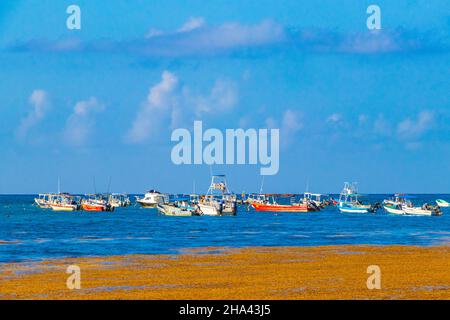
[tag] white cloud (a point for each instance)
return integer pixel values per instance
(289, 124)
(291, 121)
(39, 103)
(170, 105)
(161, 100)
(411, 129)
(362, 118)
(335, 118)
(223, 97)
(81, 122)
(381, 126)
(192, 24)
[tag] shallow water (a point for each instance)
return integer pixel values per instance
(30, 233)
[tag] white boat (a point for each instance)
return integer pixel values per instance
(315, 198)
(425, 210)
(44, 200)
(349, 201)
(152, 198)
(64, 207)
(210, 207)
(117, 200)
(218, 199)
(394, 204)
(256, 198)
(177, 209)
(442, 203)
(64, 203)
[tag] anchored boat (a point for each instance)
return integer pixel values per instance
(275, 207)
(395, 203)
(96, 203)
(442, 203)
(152, 198)
(44, 200)
(218, 200)
(179, 208)
(425, 210)
(64, 203)
(119, 200)
(349, 201)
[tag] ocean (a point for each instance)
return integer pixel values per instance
(29, 233)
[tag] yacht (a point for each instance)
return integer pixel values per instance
(152, 198)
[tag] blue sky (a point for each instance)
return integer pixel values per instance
(351, 104)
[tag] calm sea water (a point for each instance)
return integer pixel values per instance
(30, 233)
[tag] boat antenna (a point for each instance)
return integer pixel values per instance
(307, 184)
(262, 185)
(193, 185)
(95, 188)
(59, 185)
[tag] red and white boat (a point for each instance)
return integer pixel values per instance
(275, 207)
(90, 206)
(96, 203)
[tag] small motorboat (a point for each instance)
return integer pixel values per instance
(152, 198)
(316, 200)
(178, 209)
(119, 200)
(44, 200)
(218, 200)
(349, 201)
(210, 206)
(442, 203)
(64, 203)
(93, 207)
(275, 207)
(395, 203)
(64, 207)
(424, 210)
(96, 203)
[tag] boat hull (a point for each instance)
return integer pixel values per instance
(418, 211)
(393, 210)
(443, 203)
(279, 208)
(210, 210)
(173, 211)
(64, 208)
(93, 207)
(145, 204)
(346, 209)
(42, 204)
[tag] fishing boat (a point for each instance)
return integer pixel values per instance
(96, 203)
(218, 199)
(349, 201)
(256, 198)
(178, 208)
(395, 203)
(442, 203)
(119, 200)
(315, 198)
(425, 210)
(275, 207)
(44, 200)
(209, 206)
(64, 202)
(152, 198)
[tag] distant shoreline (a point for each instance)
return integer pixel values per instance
(324, 272)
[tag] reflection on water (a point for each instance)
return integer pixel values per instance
(27, 232)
